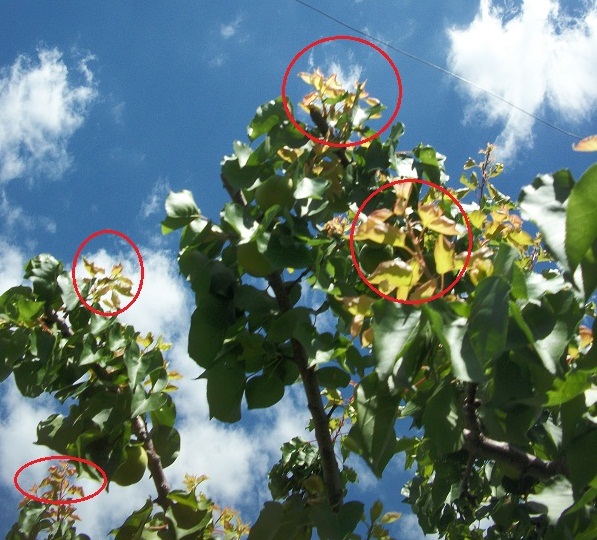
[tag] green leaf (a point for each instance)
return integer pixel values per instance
(166, 441)
(581, 217)
(209, 324)
(452, 333)
(395, 328)
(43, 271)
(132, 528)
(13, 344)
(267, 116)
(225, 387)
(285, 251)
(287, 325)
(553, 500)
(504, 262)
(143, 403)
(332, 377)
(264, 391)
(336, 525)
(580, 458)
(239, 178)
(17, 305)
(544, 203)
(573, 384)
(373, 434)
(443, 419)
(180, 211)
(311, 188)
(553, 325)
(289, 521)
(242, 151)
(488, 321)
(164, 415)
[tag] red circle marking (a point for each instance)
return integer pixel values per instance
(73, 271)
(346, 144)
(60, 501)
(355, 262)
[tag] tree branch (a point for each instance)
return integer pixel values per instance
(331, 471)
(481, 446)
(154, 463)
(52, 317)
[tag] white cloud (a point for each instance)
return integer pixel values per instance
(534, 57)
(229, 30)
(409, 528)
(154, 202)
(347, 80)
(12, 264)
(40, 109)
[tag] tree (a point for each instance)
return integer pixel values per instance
(496, 375)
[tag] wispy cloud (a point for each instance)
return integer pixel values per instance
(535, 56)
(229, 30)
(40, 109)
(154, 202)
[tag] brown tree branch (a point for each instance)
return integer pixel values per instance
(331, 471)
(154, 463)
(481, 446)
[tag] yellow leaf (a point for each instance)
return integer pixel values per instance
(116, 270)
(367, 337)
(357, 305)
(520, 239)
(433, 218)
(425, 290)
(396, 273)
(443, 254)
(477, 218)
(479, 270)
(588, 144)
(381, 214)
(381, 233)
(403, 190)
(92, 268)
(586, 336)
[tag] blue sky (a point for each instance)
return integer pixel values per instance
(105, 107)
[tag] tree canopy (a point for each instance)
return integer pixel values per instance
(460, 340)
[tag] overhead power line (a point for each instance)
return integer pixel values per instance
(439, 68)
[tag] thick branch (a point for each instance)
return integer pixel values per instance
(331, 471)
(154, 463)
(481, 446)
(52, 317)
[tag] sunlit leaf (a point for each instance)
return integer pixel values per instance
(381, 233)
(443, 254)
(588, 144)
(434, 219)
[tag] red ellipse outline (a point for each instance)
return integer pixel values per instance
(333, 38)
(139, 257)
(355, 262)
(60, 501)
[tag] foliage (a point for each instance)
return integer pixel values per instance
(58, 521)
(496, 377)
